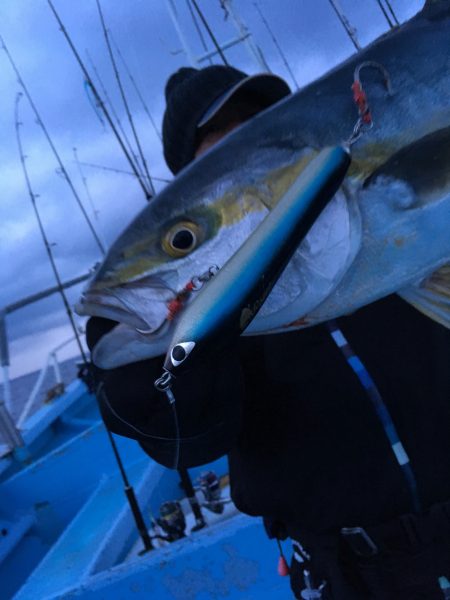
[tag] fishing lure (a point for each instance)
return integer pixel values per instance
(227, 303)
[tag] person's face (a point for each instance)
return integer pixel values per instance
(213, 137)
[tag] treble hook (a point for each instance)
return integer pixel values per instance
(359, 96)
(371, 64)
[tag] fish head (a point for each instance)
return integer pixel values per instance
(191, 228)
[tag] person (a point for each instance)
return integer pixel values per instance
(366, 500)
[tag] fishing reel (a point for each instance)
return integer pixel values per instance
(172, 520)
(209, 485)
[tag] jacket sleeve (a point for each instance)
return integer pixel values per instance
(207, 405)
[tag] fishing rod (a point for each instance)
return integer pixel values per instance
(128, 489)
(199, 31)
(138, 92)
(99, 101)
(386, 15)
(115, 115)
(47, 245)
(120, 171)
(351, 31)
(93, 103)
(391, 10)
(124, 99)
(277, 45)
(52, 146)
(210, 33)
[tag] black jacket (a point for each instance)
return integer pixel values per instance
(305, 445)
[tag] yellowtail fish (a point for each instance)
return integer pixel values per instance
(387, 230)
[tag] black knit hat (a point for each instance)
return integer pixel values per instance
(193, 93)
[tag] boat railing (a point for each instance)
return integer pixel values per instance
(52, 361)
(10, 431)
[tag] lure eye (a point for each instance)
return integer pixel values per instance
(181, 239)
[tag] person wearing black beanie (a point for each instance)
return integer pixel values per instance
(306, 448)
(194, 96)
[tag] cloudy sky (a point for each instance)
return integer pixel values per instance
(307, 30)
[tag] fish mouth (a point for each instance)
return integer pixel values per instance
(141, 304)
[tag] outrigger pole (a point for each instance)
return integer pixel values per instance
(55, 152)
(100, 102)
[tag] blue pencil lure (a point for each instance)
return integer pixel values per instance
(227, 304)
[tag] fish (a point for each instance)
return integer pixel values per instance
(385, 231)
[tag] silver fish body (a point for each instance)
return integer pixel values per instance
(385, 231)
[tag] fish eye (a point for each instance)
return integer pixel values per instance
(181, 239)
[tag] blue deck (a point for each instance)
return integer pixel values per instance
(65, 525)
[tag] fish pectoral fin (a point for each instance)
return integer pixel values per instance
(432, 296)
